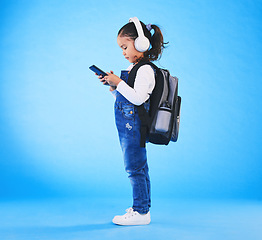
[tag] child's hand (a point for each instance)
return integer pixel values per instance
(101, 79)
(111, 89)
(112, 79)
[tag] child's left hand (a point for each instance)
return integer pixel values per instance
(112, 79)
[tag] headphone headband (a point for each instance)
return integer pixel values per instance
(142, 43)
(138, 26)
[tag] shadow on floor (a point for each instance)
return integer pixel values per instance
(57, 229)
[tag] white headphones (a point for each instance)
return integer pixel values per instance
(141, 42)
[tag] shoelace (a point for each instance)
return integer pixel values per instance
(129, 210)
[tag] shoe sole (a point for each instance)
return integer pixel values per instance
(131, 223)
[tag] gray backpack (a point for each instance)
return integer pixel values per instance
(160, 124)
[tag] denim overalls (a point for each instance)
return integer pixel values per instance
(135, 157)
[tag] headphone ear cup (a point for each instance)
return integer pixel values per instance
(142, 44)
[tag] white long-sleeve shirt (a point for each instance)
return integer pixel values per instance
(143, 86)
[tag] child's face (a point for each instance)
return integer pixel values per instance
(128, 47)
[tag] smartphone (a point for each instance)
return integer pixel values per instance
(98, 71)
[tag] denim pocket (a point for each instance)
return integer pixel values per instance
(128, 111)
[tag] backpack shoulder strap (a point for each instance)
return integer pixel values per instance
(142, 113)
(133, 72)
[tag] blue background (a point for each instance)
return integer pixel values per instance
(57, 132)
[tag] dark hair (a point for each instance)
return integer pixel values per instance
(156, 40)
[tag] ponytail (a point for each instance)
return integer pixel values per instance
(156, 40)
(157, 44)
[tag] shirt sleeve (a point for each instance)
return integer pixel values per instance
(143, 86)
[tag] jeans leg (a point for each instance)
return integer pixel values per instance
(135, 159)
(146, 172)
(137, 169)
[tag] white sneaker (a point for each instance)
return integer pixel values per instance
(132, 218)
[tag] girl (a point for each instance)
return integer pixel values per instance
(135, 40)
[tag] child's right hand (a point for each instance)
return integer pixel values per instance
(101, 78)
(111, 89)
